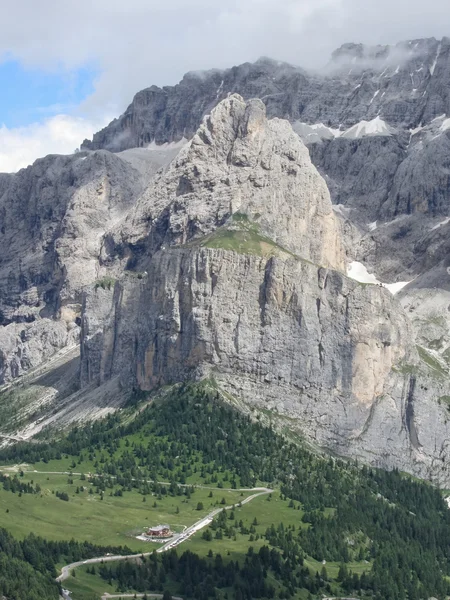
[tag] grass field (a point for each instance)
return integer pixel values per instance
(112, 521)
(85, 586)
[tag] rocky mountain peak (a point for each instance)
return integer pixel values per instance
(354, 53)
(239, 162)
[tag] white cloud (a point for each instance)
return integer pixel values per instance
(60, 134)
(137, 43)
(140, 42)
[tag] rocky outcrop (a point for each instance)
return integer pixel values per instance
(212, 295)
(54, 214)
(238, 163)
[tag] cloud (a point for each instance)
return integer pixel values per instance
(141, 42)
(60, 134)
(136, 43)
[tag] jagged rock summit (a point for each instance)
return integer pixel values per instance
(405, 85)
(239, 163)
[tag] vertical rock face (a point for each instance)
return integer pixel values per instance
(283, 335)
(54, 214)
(229, 248)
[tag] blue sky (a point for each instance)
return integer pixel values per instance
(30, 95)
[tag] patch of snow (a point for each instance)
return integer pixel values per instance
(219, 89)
(359, 272)
(374, 96)
(397, 70)
(372, 226)
(315, 132)
(445, 125)
(364, 128)
(394, 288)
(441, 224)
(416, 130)
(448, 501)
(433, 66)
(357, 87)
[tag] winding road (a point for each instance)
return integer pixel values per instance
(203, 522)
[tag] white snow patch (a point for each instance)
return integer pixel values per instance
(394, 288)
(397, 70)
(441, 224)
(372, 226)
(433, 66)
(375, 127)
(416, 130)
(374, 96)
(219, 89)
(359, 272)
(448, 501)
(315, 132)
(445, 125)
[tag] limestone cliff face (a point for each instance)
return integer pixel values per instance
(233, 262)
(282, 334)
(226, 263)
(53, 216)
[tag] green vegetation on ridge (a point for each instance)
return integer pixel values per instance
(329, 528)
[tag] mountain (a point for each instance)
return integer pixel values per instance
(375, 122)
(225, 256)
(359, 84)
